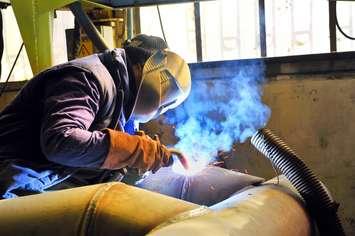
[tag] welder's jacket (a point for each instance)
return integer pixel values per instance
(52, 129)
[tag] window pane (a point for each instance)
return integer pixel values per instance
(64, 20)
(296, 27)
(179, 27)
(346, 19)
(13, 40)
(12, 43)
(230, 29)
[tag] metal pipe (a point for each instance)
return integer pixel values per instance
(262, 28)
(197, 15)
(119, 209)
(104, 209)
(130, 24)
(332, 26)
(89, 28)
(268, 210)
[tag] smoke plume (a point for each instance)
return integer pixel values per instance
(219, 113)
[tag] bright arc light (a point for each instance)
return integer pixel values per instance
(194, 167)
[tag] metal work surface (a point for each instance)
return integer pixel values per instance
(119, 209)
(266, 210)
(206, 187)
(105, 209)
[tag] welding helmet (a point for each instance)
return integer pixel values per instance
(165, 83)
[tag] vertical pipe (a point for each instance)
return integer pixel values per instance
(1, 41)
(129, 23)
(262, 28)
(311, 26)
(197, 14)
(136, 21)
(332, 26)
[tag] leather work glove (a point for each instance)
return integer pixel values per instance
(135, 151)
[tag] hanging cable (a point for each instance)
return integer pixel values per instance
(339, 28)
(161, 25)
(12, 68)
(1, 41)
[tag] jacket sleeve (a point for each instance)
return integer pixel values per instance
(70, 106)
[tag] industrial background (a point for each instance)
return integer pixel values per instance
(309, 66)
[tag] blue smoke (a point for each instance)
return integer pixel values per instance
(219, 113)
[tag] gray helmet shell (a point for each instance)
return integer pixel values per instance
(165, 83)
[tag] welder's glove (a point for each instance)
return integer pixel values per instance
(135, 151)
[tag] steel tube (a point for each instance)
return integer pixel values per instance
(268, 210)
(105, 209)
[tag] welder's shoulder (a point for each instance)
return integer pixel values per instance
(88, 71)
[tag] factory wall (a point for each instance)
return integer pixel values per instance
(314, 115)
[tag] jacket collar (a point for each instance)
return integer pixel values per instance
(121, 71)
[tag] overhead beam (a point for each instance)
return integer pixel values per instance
(136, 3)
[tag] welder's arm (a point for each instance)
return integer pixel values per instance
(136, 151)
(70, 107)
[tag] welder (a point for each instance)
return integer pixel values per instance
(76, 124)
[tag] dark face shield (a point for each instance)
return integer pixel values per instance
(165, 83)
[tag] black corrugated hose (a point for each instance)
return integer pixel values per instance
(318, 200)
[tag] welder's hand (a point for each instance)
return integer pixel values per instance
(163, 152)
(135, 151)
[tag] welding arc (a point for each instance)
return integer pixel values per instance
(318, 200)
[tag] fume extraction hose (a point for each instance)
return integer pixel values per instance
(318, 200)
